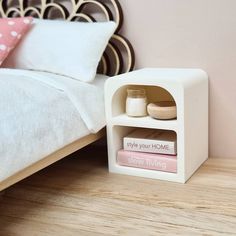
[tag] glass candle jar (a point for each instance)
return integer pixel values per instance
(136, 102)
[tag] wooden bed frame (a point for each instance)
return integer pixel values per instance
(118, 57)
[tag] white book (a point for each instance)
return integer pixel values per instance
(152, 141)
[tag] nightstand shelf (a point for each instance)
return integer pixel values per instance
(144, 122)
(144, 173)
(189, 89)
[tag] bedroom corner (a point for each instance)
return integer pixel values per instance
(117, 117)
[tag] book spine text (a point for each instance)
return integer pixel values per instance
(151, 146)
(147, 161)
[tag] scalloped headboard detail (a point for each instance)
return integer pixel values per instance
(119, 55)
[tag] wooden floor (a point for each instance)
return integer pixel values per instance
(77, 196)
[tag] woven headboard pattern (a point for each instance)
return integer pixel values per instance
(119, 55)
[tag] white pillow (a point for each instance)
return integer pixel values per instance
(72, 49)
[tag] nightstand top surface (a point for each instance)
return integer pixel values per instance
(163, 75)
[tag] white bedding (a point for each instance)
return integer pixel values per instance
(41, 113)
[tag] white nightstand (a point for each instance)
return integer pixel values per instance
(189, 89)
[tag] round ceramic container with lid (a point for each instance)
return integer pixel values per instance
(136, 102)
(163, 110)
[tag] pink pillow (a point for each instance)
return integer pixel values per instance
(11, 31)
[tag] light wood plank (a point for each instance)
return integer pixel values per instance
(77, 196)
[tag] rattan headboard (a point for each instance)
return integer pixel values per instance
(119, 55)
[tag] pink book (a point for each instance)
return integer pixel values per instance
(149, 161)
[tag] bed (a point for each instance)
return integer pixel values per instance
(64, 114)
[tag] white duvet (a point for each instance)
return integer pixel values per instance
(41, 113)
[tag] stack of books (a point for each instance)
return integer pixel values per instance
(149, 149)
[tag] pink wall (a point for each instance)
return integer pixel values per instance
(192, 33)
